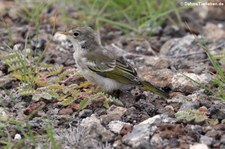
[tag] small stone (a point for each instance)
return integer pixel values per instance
(66, 111)
(157, 62)
(95, 129)
(139, 136)
(38, 44)
(6, 82)
(116, 126)
(206, 140)
(217, 111)
(216, 12)
(222, 139)
(213, 32)
(126, 129)
(152, 120)
(156, 139)
(17, 47)
(199, 146)
(113, 113)
(177, 46)
(4, 114)
(189, 105)
(160, 77)
(17, 137)
(182, 83)
(85, 113)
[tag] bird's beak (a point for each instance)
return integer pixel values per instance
(64, 33)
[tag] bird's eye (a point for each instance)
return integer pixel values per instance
(76, 34)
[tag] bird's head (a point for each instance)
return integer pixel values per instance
(82, 37)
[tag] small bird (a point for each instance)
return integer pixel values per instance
(100, 66)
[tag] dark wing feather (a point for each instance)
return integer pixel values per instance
(117, 70)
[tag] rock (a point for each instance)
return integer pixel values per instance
(4, 115)
(166, 119)
(152, 120)
(217, 111)
(139, 137)
(189, 105)
(95, 130)
(38, 44)
(216, 12)
(17, 47)
(206, 140)
(199, 146)
(66, 111)
(116, 126)
(145, 106)
(177, 46)
(211, 12)
(113, 113)
(156, 140)
(6, 82)
(126, 129)
(85, 113)
(17, 137)
(182, 83)
(160, 78)
(157, 62)
(213, 32)
(222, 139)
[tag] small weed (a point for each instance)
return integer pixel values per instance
(136, 16)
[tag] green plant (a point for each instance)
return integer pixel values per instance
(30, 138)
(132, 15)
(191, 115)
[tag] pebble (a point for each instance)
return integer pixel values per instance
(199, 146)
(139, 137)
(217, 111)
(182, 83)
(95, 130)
(85, 113)
(116, 126)
(206, 140)
(17, 137)
(113, 113)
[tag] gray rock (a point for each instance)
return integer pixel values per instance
(156, 140)
(189, 105)
(152, 120)
(85, 113)
(206, 140)
(222, 139)
(38, 44)
(116, 126)
(217, 111)
(213, 32)
(95, 130)
(157, 62)
(177, 46)
(181, 81)
(113, 113)
(139, 137)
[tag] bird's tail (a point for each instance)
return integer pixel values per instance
(153, 89)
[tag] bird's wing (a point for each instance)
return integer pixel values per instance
(118, 70)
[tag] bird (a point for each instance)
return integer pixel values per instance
(99, 65)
